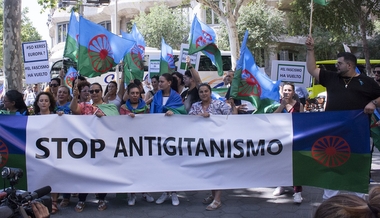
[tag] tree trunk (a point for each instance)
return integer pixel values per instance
(233, 39)
(13, 65)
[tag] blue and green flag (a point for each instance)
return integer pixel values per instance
(71, 44)
(133, 59)
(167, 59)
(330, 157)
(202, 38)
(252, 85)
(99, 49)
(70, 77)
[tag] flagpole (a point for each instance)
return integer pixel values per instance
(311, 16)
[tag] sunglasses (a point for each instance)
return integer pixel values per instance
(376, 72)
(95, 90)
(53, 85)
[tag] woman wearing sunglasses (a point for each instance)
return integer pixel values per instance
(53, 86)
(98, 108)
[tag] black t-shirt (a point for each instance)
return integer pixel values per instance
(189, 97)
(360, 91)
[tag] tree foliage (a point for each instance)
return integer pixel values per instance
(228, 12)
(28, 31)
(163, 22)
(264, 24)
(344, 20)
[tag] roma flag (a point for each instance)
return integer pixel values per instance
(99, 49)
(139, 38)
(133, 60)
(167, 59)
(252, 85)
(71, 45)
(12, 146)
(70, 77)
(331, 153)
(202, 38)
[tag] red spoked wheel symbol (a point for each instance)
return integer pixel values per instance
(249, 85)
(3, 154)
(331, 151)
(143, 51)
(170, 61)
(206, 36)
(200, 42)
(136, 55)
(99, 52)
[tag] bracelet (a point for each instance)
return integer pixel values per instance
(191, 67)
(310, 49)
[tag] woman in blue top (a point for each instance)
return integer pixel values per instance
(167, 100)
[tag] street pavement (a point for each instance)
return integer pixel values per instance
(253, 202)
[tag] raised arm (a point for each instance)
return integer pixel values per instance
(121, 90)
(193, 71)
(310, 58)
(74, 107)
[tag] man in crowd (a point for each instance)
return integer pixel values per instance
(192, 80)
(376, 72)
(346, 90)
(31, 95)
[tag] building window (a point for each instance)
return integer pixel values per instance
(62, 31)
(106, 24)
(211, 17)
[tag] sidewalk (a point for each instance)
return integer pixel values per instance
(255, 202)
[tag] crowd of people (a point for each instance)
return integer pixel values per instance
(175, 93)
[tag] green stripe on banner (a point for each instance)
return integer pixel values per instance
(16, 161)
(352, 175)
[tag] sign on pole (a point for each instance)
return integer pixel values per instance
(36, 63)
(182, 58)
(154, 66)
(291, 71)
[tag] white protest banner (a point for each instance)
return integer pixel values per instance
(148, 152)
(291, 71)
(194, 58)
(36, 72)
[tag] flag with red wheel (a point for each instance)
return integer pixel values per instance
(133, 60)
(202, 38)
(252, 85)
(167, 59)
(71, 44)
(99, 49)
(331, 153)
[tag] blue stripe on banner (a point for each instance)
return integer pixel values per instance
(351, 126)
(13, 133)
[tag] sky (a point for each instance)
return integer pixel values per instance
(39, 20)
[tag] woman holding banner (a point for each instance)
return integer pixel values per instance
(168, 101)
(135, 105)
(205, 108)
(289, 104)
(98, 108)
(44, 105)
